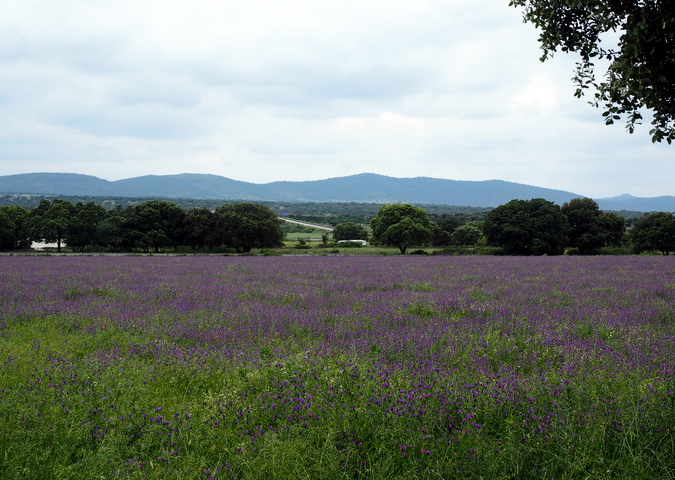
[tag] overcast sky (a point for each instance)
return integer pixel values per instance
(265, 90)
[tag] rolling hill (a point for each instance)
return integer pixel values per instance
(361, 188)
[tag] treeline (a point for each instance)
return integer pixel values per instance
(147, 226)
(528, 227)
(331, 213)
(518, 227)
(540, 227)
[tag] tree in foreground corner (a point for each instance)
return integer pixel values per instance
(401, 225)
(641, 59)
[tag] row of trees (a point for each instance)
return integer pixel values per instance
(147, 226)
(519, 227)
(541, 227)
(529, 227)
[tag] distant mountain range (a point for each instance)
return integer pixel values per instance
(361, 188)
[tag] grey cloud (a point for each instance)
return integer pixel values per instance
(448, 89)
(128, 124)
(154, 87)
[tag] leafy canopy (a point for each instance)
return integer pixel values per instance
(14, 228)
(402, 225)
(247, 225)
(467, 234)
(349, 231)
(49, 221)
(641, 72)
(527, 227)
(655, 231)
(590, 228)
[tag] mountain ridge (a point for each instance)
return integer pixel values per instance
(359, 188)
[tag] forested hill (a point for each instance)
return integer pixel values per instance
(361, 188)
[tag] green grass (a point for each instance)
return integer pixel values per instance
(85, 396)
(88, 438)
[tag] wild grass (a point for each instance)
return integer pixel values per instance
(337, 368)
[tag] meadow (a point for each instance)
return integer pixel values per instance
(397, 367)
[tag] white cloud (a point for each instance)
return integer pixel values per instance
(266, 90)
(538, 97)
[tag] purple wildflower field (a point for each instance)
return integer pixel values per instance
(337, 367)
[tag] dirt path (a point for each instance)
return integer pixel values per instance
(318, 227)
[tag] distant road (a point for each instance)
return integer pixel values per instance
(318, 227)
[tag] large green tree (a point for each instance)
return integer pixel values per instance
(245, 226)
(158, 224)
(613, 228)
(82, 228)
(402, 225)
(115, 230)
(654, 232)
(446, 225)
(349, 231)
(527, 227)
(7, 230)
(641, 59)
(591, 228)
(468, 234)
(200, 228)
(14, 232)
(49, 221)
